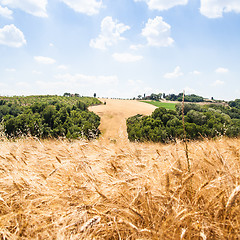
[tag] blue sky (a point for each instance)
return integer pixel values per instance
(120, 48)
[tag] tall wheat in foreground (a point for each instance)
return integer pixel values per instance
(101, 190)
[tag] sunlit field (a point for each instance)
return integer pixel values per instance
(170, 106)
(59, 189)
(85, 152)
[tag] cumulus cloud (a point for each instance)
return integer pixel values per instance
(215, 9)
(126, 57)
(44, 60)
(3, 85)
(36, 72)
(110, 33)
(221, 70)
(175, 74)
(89, 7)
(5, 12)
(86, 79)
(11, 36)
(10, 70)
(163, 4)
(62, 67)
(217, 83)
(136, 87)
(136, 46)
(132, 82)
(157, 32)
(22, 84)
(34, 7)
(195, 72)
(189, 90)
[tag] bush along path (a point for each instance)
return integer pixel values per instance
(49, 117)
(200, 121)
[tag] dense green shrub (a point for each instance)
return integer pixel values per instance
(49, 116)
(200, 121)
(235, 103)
(187, 98)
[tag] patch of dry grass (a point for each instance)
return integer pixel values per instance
(100, 190)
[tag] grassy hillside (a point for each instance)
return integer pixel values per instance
(170, 106)
(96, 190)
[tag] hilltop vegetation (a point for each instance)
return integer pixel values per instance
(49, 116)
(200, 121)
(187, 98)
(172, 97)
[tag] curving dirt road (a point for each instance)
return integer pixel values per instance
(115, 113)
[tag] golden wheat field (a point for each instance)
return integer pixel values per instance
(104, 189)
(100, 190)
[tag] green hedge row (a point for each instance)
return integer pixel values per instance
(49, 116)
(200, 121)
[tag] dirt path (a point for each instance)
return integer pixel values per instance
(115, 113)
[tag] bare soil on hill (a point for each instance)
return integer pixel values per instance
(115, 113)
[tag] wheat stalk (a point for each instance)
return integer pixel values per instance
(232, 198)
(90, 223)
(151, 201)
(185, 135)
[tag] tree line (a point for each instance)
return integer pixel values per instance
(49, 117)
(171, 97)
(200, 121)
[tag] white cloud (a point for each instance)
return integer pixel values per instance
(62, 67)
(136, 47)
(132, 82)
(163, 4)
(51, 45)
(126, 57)
(221, 70)
(175, 74)
(11, 36)
(86, 79)
(3, 85)
(217, 83)
(157, 32)
(189, 90)
(137, 87)
(89, 7)
(36, 72)
(34, 7)
(216, 8)
(44, 60)
(10, 70)
(22, 84)
(5, 12)
(195, 72)
(85, 85)
(110, 34)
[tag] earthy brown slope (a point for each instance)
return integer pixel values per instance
(115, 113)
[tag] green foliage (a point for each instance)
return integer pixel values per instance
(235, 104)
(153, 96)
(187, 98)
(200, 121)
(49, 116)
